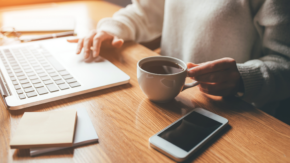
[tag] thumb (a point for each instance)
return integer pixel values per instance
(76, 40)
(117, 43)
(191, 65)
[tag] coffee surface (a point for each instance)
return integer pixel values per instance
(162, 67)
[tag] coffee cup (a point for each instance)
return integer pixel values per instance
(162, 78)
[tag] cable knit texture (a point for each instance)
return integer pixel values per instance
(256, 33)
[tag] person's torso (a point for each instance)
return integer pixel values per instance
(199, 31)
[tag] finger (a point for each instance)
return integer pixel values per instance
(217, 89)
(191, 65)
(98, 41)
(80, 45)
(117, 43)
(73, 40)
(87, 44)
(89, 59)
(96, 46)
(212, 66)
(218, 76)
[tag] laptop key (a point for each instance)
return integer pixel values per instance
(36, 66)
(42, 74)
(19, 74)
(17, 86)
(38, 85)
(30, 73)
(59, 82)
(24, 81)
(26, 85)
(56, 78)
(63, 73)
(55, 63)
(71, 80)
(76, 84)
(19, 91)
(47, 66)
(50, 71)
(31, 94)
(63, 86)
(15, 67)
(18, 70)
(45, 78)
(13, 78)
(39, 71)
(53, 74)
(42, 62)
(26, 90)
(28, 70)
(52, 87)
(33, 77)
(24, 65)
(21, 96)
(41, 91)
(35, 81)
(67, 77)
(48, 82)
(15, 82)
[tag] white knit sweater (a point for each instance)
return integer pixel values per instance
(255, 33)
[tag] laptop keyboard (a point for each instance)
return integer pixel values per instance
(35, 72)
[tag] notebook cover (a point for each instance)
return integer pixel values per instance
(45, 129)
(85, 133)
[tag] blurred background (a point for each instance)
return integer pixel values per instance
(3, 3)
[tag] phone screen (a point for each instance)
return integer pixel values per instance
(190, 131)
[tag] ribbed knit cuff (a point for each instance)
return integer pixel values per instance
(253, 81)
(115, 28)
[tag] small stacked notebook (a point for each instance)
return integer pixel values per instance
(45, 129)
(85, 134)
(55, 130)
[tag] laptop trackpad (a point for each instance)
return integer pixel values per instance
(99, 72)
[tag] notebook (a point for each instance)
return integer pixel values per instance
(85, 134)
(45, 129)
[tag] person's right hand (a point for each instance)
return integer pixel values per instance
(94, 41)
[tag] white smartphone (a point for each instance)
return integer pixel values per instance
(185, 136)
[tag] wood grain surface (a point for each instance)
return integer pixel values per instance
(125, 119)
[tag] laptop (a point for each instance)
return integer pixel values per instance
(44, 71)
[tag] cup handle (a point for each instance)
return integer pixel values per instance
(189, 85)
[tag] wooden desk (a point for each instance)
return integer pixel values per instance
(125, 119)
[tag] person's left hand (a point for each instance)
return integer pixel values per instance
(219, 77)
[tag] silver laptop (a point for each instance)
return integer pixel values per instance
(44, 71)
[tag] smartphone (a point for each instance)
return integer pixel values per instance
(186, 135)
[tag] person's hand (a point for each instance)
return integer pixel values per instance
(94, 41)
(219, 77)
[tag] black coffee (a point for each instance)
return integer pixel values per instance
(162, 67)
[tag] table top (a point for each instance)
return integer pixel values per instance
(125, 119)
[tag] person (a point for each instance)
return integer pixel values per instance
(233, 47)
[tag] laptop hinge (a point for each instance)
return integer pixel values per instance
(4, 89)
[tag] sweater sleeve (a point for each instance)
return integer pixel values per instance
(267, 79)
(140, 21)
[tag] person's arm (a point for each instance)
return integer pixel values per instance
(140, 21)
(267, 79)
(263, 80)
